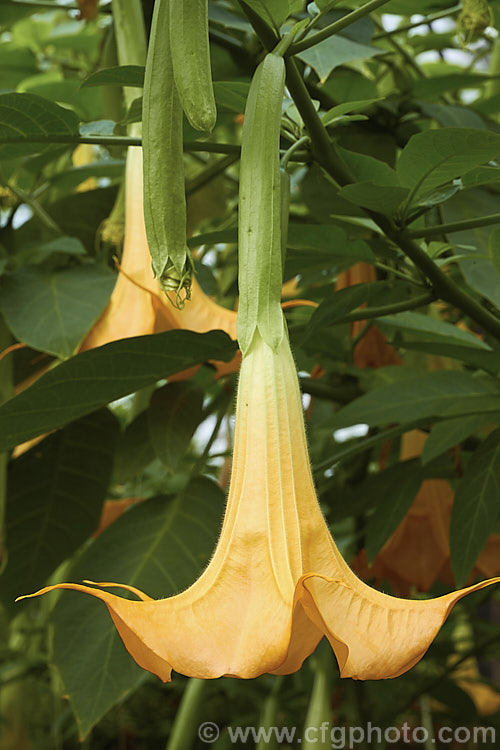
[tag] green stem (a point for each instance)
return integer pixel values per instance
(336, 26)
(125, 140)
(37, 209)
(324, 153)
(210, 173)
(268, 716)
(319, 711)
(291, 151)
(200, 462)
(455, 226)
(399, 274)
(378, 312)
(6, 392)
(284, 44)
(185, 724)
(426, 718)
(414, 24)
(359, 445)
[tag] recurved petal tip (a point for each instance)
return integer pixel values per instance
(376, 636)
(109, 585)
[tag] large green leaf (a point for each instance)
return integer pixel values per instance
(435, 394)
(480, 358)
(231, 95)
(175, 412)
(81, 214)
(435, 157)
(475, 507)
(160, 546)
(432, 329)
(395, 489)
(94, 378)
(334, 51)
(450, 432)
(134, 450)
(120, 75)
(26, 117)
(274, 12)
(56, 491)
(338, 304)
(53, 310)
(321, 246)
(383, 198)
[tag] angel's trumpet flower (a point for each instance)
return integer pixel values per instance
(418, 552)
(276, 582)
(138, 306)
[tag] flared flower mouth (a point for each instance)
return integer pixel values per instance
(276, 583)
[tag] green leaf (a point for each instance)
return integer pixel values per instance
(338, 304)
(481, 176)
(488, 361)
(16, 64)
(435, 394)
(432, 329)
(365, 167)
(134, 450)
(26, 117)
(94, 378)
(81, 214)
(334, 51)
(174, 414)
(346, 108)
(449, 433)
(434, 86)
(120, 75)
(450, 116)
(475, 507)
(56, 492)
(322, 246)
(38, 252)
(435, 157)
(274, 12)
(231, 95)
(52, 311)
(228, 236)
(481, 274)
(67, 180)
(375, 197)
(395, 489)
(494, 249)
(160, 546)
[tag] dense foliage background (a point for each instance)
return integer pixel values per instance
(397, 116)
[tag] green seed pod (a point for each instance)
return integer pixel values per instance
(260, 271)
(473, 20)
(164, 191)
(191, 61)
(285, 210)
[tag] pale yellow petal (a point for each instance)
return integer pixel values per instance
(384, 636)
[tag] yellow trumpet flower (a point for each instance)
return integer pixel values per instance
(138, 306)
(276, 583)
(418, 553)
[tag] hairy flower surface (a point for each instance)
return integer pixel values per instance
(276, 582)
